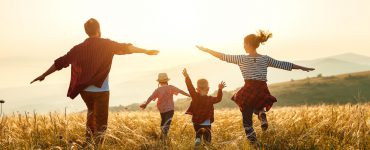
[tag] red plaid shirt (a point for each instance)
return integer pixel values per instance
(91, 62)
(254, 94)
(164, 94)
(201, 107)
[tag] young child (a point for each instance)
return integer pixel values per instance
(254, 97)
(164, 93)
(201, 107)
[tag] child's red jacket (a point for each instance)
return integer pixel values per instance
(201, 107)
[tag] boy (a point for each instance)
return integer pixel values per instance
(201, 107)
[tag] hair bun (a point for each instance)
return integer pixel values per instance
(263, 36)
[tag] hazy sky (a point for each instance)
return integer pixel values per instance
(302, 29)
(33, 33)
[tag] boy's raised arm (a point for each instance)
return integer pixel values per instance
(218, 98)
(189, 84)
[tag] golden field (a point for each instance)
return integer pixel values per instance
(304, 127)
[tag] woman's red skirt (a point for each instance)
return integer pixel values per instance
(255, 94)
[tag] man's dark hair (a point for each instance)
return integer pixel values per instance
(92, 27)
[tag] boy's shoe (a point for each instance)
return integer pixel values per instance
(262, 117)
(197, 142)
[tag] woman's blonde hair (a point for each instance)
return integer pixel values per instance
(255, 40)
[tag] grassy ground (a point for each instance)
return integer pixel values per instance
(304, 127)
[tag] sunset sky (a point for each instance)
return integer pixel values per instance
(302, 29)
(33, 33)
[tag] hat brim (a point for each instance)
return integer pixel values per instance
(163, 80)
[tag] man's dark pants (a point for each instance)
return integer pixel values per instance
(97, 114)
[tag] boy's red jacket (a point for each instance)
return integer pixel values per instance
(201, 107)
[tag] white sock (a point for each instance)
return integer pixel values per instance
(197, 140)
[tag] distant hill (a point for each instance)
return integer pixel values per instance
(339, 89)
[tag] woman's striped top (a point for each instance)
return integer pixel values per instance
(255, 68)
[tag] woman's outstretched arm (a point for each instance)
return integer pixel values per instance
(303, 68)
(209, 51)
(285, 65)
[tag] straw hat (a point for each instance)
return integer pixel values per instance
(162, 77)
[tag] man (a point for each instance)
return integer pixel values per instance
(91, 62)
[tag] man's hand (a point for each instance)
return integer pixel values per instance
(222, 85)
(40, 78)
(143, 106)
(152, 52)
(185, 73)
(202, 48)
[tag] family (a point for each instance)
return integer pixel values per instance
(91, 61)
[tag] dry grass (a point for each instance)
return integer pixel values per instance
(314, 127)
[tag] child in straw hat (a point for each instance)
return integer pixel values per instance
(201, 107)
(164, 93)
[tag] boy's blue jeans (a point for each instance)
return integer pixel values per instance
(166, 121)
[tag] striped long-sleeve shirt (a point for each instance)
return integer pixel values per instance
(255, 68)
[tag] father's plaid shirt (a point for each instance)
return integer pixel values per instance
(91, 62)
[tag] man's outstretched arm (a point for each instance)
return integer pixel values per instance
(133, 49)
(48, 72)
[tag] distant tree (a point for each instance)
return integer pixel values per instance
(319, 75)
(349, 76)
(291, 80)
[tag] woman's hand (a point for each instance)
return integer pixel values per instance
(307, 69)
(209, 51)
(203, 48)
(222, 85)
(303, 68)
(185, 73)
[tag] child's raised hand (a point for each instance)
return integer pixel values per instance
(143, 106)
(185, 73)
(202, 48)
(222, 85)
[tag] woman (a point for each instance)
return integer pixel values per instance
(254, 97)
